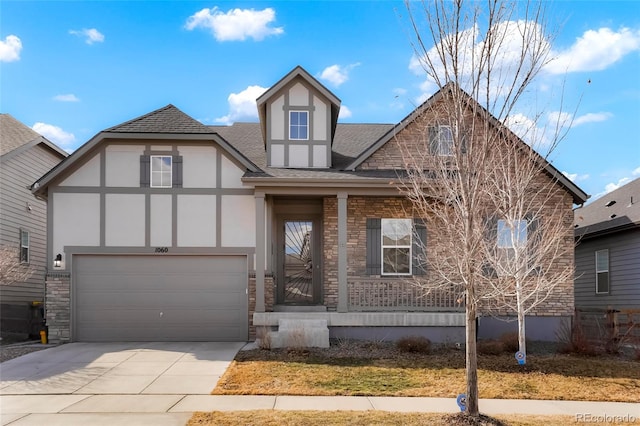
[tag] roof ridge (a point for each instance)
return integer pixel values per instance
(168, 119)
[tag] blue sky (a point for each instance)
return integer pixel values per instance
(71, 69)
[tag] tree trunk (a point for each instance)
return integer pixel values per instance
(472, 408)
(522, 345)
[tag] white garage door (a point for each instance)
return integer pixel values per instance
(160, 298)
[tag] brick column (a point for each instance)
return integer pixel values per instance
(342, 252)
(58, 306)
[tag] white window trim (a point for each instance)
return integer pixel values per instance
(23, 246)
(383, 246)
(308, 127)
(439, 140)
(170, 172)
(608, 271)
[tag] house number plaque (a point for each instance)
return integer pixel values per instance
(162, 249)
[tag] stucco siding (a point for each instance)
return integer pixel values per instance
(238, 221)
(19, 209)
(624, 271)
(298, 95)
(231, 174)
(122, 164)
(277, 119)
(199, 166)
(76, 221)
(160, 226)
(196, 220)
(320, 118)
(124, 220)
(87, 174)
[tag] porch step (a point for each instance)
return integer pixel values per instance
(300, 333)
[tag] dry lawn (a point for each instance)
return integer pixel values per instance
(355, 418)
(385, 371)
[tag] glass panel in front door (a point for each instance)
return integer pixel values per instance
(298, 265)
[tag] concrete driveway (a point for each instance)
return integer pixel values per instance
(109, 383)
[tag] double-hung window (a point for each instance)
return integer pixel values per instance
(396, 246)
(441, 140)
(602, 271)
(24, 246)
(512, 243)
(298, 125)
(161, 171)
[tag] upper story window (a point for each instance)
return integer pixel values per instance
(396, 246)
(441, 140)
(161, 171)
(24, 246)
(512, 235)
(298, 125)
(602, 271)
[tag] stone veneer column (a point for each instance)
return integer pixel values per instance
(58, 306)
(342, 252)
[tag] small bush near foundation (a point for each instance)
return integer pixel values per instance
(573, 340)
(417, 344)
(490, 347)
(263, 338)
(510, 342)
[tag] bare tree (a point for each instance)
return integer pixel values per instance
(11, 270)
(462, 161)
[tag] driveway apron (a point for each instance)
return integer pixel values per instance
(81, 378)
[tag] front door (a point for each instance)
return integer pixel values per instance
(299, 247)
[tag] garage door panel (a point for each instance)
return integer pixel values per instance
(155, 298)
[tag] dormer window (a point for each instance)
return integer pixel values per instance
(298, 125)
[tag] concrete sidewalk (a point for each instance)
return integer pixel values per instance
(176, 409)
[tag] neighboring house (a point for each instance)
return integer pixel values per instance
(167, 229)
(24, 157)
(607, 233)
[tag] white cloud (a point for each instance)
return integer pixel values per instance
(236, 24)
(595, 51)
(70, 97)
(54, 134)
(575, 177)
(344, 112)
(613, 186)
(10, 48)
(91, 35)
(636, 172)
(336, 74)
(592, 117)
(242, 106)
(507, 62)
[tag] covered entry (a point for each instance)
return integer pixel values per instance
(159, 298)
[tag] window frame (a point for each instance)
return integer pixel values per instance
(439, 140)
(25, 249)
(163, 173)
(520, 227)
(396, 246)
(604, 252)
(298, 126)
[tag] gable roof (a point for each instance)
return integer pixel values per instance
(298, 71)
(579, 196)
(167, 123)
(15, 135)
(616, 211)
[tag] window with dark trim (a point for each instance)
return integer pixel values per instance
(441, 140)
(602, 271)
(24, 246)
(298, 125)
(161, 171)
(396, 247)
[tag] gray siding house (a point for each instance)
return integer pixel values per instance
(607, 233)
(24, 157)
(168, 229)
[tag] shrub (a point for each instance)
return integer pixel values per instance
(573, 340)
(510, 342)
(263, 338)
(414, 344)
(490, 347)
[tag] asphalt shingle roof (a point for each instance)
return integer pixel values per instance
(350, 140)
(619, 209)
(14, 134)
(168, 119)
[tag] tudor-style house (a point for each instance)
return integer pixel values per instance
(168, 229)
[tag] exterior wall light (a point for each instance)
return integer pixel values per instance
(57, 262)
